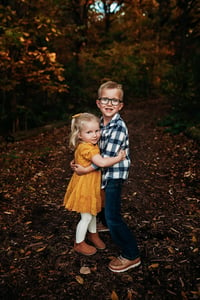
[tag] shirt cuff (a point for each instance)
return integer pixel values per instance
(95, 166)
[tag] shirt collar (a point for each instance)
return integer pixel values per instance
(112, 121)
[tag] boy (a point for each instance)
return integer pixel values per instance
(114, 136)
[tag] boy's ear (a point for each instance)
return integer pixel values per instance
(121, 105)
(97, 102)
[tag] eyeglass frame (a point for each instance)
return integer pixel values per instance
(109, 100)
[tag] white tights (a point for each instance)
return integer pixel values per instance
(87, 222)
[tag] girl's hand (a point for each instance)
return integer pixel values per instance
(122, 154)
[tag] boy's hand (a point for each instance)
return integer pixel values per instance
(72, 164)
(75, 167)
(79, 170)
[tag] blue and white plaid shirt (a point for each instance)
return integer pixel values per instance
(114, 137)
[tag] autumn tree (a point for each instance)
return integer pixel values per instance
(151, 46)
(29, 66)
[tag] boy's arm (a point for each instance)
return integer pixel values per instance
(108, 161)
(80, 170)
(98, 161)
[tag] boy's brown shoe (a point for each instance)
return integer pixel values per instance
(121, 264)
(84, 248)
(102, 228)
(95, 239)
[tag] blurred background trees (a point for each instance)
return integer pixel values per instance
(54, 56)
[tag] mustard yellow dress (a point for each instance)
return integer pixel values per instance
(83, 193)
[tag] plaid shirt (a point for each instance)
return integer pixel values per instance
(114, 136)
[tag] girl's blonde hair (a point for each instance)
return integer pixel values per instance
(77, 123)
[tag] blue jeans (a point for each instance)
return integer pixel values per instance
(120, 233)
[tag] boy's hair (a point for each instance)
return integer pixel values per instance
(110, 85)
(77, 123)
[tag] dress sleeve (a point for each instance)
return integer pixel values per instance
(89, 150)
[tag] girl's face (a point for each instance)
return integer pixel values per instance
(90, 132)
(109, 110)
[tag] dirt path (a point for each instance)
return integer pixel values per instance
(161, 199)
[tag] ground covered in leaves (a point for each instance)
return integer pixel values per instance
(160, 204)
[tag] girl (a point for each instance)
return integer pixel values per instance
(83, 193)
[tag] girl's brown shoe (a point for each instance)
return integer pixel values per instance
(95, 239)
(84, 248)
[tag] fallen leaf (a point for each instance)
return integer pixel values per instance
(129, 295)
(50, 236)
(153, 266)
(8, 212)
(79, 279)
(114, 296)
(38, 237)
(195, 293)
(168, 267)
(31, 188)
(93, 269)
(41, 249)
(170, 249)
(85, 270)
(194, 239)
(127, 278)
(28, 222)
(183, 294)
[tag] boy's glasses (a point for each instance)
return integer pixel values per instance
(113, 101)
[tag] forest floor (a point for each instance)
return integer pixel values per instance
(160, 205)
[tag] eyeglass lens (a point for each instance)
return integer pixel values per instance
(113, 101)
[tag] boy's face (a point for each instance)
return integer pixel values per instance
(110, 103)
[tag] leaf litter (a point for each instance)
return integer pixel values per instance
(160, 204)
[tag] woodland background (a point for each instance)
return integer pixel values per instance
(54, 56)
